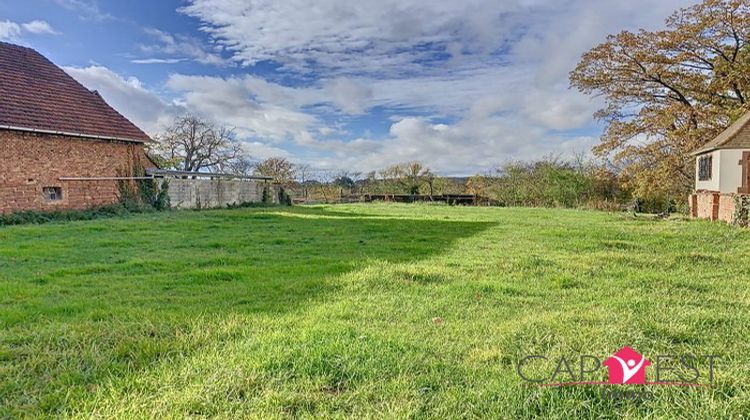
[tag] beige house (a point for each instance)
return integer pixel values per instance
(722, 171)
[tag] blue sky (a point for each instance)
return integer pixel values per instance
(344, 84)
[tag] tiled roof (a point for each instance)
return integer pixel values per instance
(35, 94)
(737, 136)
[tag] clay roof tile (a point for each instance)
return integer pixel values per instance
(35, 94)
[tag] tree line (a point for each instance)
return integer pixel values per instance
(193, 144)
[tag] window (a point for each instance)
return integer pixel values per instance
(52, 193)
(704, 167)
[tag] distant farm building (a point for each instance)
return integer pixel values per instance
(62, 144)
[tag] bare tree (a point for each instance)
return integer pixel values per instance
(243, 165)
(303, 175)
(345, 181)
(192, 144)
(327, 187)
(280, 169)
(411, 176)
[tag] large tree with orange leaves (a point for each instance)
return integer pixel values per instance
(668, 92)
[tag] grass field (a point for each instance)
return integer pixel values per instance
(364, 311)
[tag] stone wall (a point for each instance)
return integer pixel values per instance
(713, 206)
(31, 162)
(220, 192)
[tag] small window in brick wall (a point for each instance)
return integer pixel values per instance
(704, 167)
(52, 193)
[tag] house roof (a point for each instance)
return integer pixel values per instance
(36, 95)
(737, 136)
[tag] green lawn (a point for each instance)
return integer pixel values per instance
(364, 311)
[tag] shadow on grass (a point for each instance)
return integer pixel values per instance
(86, 302)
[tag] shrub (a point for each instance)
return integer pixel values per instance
(154, 194)
(284, 198)
(741, 215)
(266, 199)
(39, 217)
(143, 194)
(603, 204)
(550, 182)
(654, 204)
(250, 204)
(162, 197)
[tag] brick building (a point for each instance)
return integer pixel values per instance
(62, 145)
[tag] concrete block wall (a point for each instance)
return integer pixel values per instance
(214, 193)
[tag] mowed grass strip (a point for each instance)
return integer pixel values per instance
(364, 311)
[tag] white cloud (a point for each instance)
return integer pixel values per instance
(182, 46)
(86, 9)
(267, 115)
(353, 36)
(11, 31)
(467, 147)
(349, 96)
(475, 83)
(128, 96)
(259, 150)
(157, 60)
(39, 27)
(398, 36)
(239, 103)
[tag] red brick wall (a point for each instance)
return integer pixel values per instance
(32, 161)
(726, 207)
(704, 202)
(713, 206)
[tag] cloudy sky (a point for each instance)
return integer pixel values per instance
(344, 84)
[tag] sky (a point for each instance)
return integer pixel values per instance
(463, 86)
